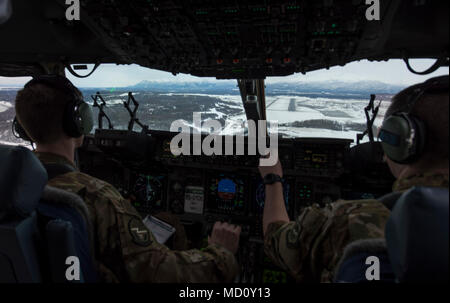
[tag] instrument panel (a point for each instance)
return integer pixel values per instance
(201, 189)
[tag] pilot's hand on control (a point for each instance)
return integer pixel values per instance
(276, 169)
(226, 235)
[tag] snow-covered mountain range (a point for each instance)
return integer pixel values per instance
(230, 87)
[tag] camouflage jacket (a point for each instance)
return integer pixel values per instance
(125, 250)
(310, 248)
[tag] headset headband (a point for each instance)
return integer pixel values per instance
(77, 119)
(431, 86)
(58, 82)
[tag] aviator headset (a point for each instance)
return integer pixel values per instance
(403, 135)
(78, 117)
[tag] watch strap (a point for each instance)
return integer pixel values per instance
(271, 179)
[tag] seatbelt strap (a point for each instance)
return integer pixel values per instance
(56, 169)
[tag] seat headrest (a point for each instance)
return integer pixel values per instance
(417, 234)
(22, 180)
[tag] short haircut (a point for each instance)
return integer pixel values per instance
(432, 109)
(40, 111)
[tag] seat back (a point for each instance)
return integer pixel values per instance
(22, 179)
(67, 233)
(5, 11)
(60, 247)
(19, 260)
(417, 235)
(36, 236)
(416, 244)
(357, 259)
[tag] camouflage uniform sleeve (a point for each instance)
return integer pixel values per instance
(130, 251)
(310, 248)
(288, 244)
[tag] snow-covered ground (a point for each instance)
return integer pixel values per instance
(289, 109)
(4, 106)
(27, 145)
(297, 116)
(226, 98)
(319, 108)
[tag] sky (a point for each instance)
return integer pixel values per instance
(392, 72)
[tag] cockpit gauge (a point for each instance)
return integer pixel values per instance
(226, 194)
(148, 193)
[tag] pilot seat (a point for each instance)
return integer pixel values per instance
(42, 228)
(415, 248)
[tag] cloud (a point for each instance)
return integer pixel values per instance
(13, 81)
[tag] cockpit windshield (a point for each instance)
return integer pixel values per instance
(323, 104)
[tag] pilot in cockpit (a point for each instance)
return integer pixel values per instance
(414, 137)
(52, 113)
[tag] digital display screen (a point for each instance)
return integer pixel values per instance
(319, 158)
(316, 159)
(147, 193)
(193, 199)
(272, 274)
(226, 194)
(226, 189)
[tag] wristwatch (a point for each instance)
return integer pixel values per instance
(271, 179)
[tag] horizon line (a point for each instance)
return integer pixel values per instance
(223, 80)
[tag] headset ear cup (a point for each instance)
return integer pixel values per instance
(394, 133)
(420, 137)
(409, 133)
(86, 118)
(70, 118)
(19, 131)
(78, 119)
